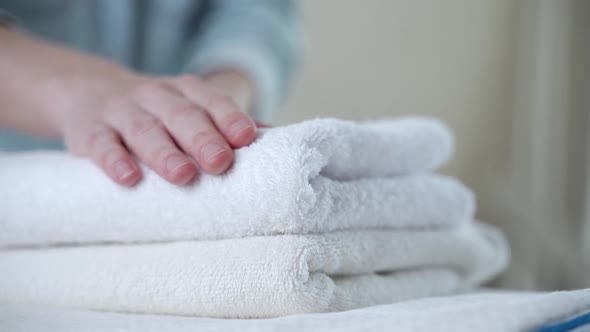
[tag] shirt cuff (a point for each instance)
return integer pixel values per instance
(261, 69)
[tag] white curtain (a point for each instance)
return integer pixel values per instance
(544, 191)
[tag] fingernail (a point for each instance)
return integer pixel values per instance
(239, 127)
(211, 150)
(175, 162)
(123, 169)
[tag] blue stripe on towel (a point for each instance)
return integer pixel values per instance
(567, 325)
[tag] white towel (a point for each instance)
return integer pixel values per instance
(316, 176)
(319, 216)
(258, 276)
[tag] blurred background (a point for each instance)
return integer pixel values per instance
(510, 77)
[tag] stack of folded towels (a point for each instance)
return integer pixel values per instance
(319, 216)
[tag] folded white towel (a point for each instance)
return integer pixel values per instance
(257, 276)
(319, 216)
(316, 176)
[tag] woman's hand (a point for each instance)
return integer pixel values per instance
(164, 122)
(113, 116)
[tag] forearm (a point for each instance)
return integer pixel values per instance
(39, 78)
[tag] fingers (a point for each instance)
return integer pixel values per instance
(192, 128)
(103, 145)
(236, 126)
(165, 123)
(145, 135)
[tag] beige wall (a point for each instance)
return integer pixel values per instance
(462, 61)
(452, 59)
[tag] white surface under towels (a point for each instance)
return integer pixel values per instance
(320, 216)
(481, 312)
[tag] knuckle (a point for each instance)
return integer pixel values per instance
(99, 135)
(203, 137)
(182, 113)
(230, 119)
(222, 101)
(144, 124)
(188, 80)
(151, 88)
(160, 154)
(108, 157)
(116, 104)
(113, 109)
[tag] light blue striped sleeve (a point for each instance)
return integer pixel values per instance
(261, 38)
